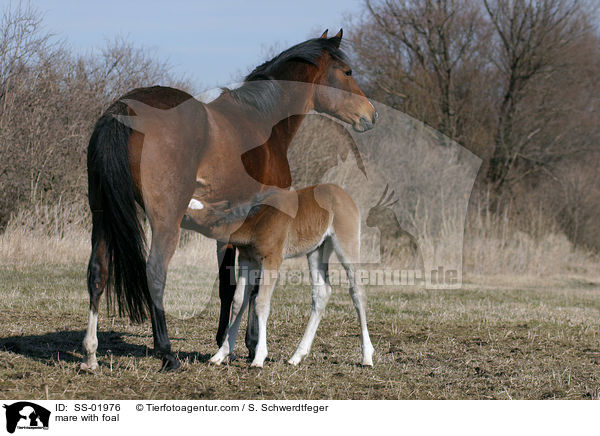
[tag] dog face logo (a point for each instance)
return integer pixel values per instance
(26, 415)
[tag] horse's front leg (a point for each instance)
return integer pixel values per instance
(251, 338)
(164, 243)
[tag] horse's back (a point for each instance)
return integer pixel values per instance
(159, 97)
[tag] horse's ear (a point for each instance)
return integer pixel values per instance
(324, 35)
(338, 38)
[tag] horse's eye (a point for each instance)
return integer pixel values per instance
(348, 73)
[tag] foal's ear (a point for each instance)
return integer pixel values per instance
(324, 35)
(338, 38)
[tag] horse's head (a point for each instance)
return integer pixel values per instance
(320, 64)
(338, 94)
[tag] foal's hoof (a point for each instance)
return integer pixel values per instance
(169, 363)
(219, 358)
(257, 363)
(294, 361)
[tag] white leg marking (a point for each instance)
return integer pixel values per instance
(90, 343)
(360, 303)
(262, 306)
(321, 291)
(195, 204)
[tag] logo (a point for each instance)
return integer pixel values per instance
(26, 415)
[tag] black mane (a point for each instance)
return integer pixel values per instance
(261, 90)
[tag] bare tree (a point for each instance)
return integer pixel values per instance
(426, 56)
(49, 101)
(533, 40)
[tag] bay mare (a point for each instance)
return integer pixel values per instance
(168, 153)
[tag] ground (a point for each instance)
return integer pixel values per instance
(495, 338)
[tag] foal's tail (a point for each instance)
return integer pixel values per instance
(113, 204)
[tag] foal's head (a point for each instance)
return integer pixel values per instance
(321, 63)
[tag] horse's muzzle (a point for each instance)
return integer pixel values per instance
(365, 123)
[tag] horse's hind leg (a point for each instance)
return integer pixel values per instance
(348, 253)
(97, 278)
(164, 243)
(321, 291)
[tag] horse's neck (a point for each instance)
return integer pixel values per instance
(264, 138)
(283, 134)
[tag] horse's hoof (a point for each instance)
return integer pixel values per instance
(92, 367)
(169, 363)
(251, 352)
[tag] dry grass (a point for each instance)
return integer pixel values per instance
(533, 339)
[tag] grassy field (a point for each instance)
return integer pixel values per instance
(495, 338)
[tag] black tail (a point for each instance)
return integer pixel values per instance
(113, 204)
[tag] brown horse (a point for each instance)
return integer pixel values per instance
(167, 152)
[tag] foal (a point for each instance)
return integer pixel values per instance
(326, 220)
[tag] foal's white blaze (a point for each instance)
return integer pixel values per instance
(90, 343)
(195, 204)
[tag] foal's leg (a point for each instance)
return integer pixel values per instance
(321, 291)
(164, 243)
(240, 301)
(348, 255)
(268, 276)
(97, 278)
(226, 258)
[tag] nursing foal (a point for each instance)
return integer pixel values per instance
(326, 220)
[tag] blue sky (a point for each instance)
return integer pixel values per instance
(210, 42)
